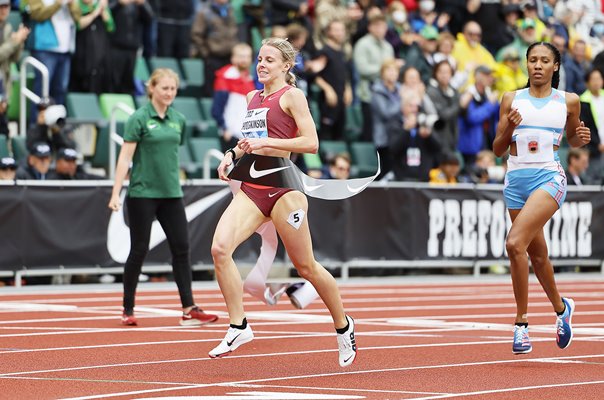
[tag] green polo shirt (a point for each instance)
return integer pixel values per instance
(155, 166)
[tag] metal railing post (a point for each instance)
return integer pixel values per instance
(26, 93)
(113, 135)
(212, 153)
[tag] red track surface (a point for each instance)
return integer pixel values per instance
(416, 341)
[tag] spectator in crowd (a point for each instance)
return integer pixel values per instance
(52, 43)
(529, 11)
(579, 61)
(479, 115)
(11, 45)
(233, 82)
(339, 167)
(38, 163)
(385, 107)
(414, 148)
(8, 169)
(508, 32)
(411, 82)
(50, 127)
(130, 17)
(284, 12)
(509, 75)
(174, 19)
(67, 168)
(327, 11)
(304, 67)
(592, 114)
(446, 101)
(90, 63)
(372, 47)
(334, 80)
(526, 36)
(456, 12)
(369, 9)
(447, 171)
(421, 53)
(560, 43)
(577, 164)
(214, 34)
(483, 167)
(469, 53)
(444, 50)
(425, 14)
(400, 34)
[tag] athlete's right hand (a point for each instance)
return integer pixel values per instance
(114, 203)
(223, 167)
(514, 117)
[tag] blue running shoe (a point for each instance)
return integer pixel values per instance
(522, 343)
(564, 330)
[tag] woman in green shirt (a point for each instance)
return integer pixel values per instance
(153, 134)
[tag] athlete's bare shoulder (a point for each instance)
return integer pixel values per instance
(572, 99)
(250, 95)
(293, 97)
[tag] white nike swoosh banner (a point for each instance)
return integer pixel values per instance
(282, 172)
(118, 233)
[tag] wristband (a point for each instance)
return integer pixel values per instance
(233, 155)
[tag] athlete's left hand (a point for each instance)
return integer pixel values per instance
(251, 144)
(583, 133)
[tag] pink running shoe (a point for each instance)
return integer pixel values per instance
(197, 317)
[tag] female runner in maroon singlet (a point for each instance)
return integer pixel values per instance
(277, 123)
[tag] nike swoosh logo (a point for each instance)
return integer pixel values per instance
(258, 112)
(346, 360)
(232, 341)
(356, 190)
(118, 233)
(273, 194)
(311, 188)
(254, 173)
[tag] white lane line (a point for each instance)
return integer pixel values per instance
(37, 378)
(335, 389)
(35, 307)
(508, 390)
(332, 374)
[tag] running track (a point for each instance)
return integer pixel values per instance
(419, 338)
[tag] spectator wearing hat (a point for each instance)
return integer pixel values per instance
(479, 115)
(50, 127)
(38, 163)
(526, 36)
(421, 53)
(508, 74)
(8, 169)
(67, 168)
(469, 52)
(530, 10)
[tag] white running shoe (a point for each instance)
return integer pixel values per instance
(347, 345)
(233, 339)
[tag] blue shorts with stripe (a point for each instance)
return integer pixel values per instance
(521, 183)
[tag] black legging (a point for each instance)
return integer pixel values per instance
(171, 215)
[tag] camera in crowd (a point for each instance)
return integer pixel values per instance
(54, 114)
(430, 121)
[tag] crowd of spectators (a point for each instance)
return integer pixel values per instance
(426, 75)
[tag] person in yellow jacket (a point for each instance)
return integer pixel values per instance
(469, 53)
(508, 74)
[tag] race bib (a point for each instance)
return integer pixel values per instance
(535, 146)
(254, 123)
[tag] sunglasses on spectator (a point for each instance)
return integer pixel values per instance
(12, 168)
(475, 34)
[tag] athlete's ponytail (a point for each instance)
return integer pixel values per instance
(557, 60)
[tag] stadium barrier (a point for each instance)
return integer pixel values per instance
(65, 227)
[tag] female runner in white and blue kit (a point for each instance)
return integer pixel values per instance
(532, 122)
